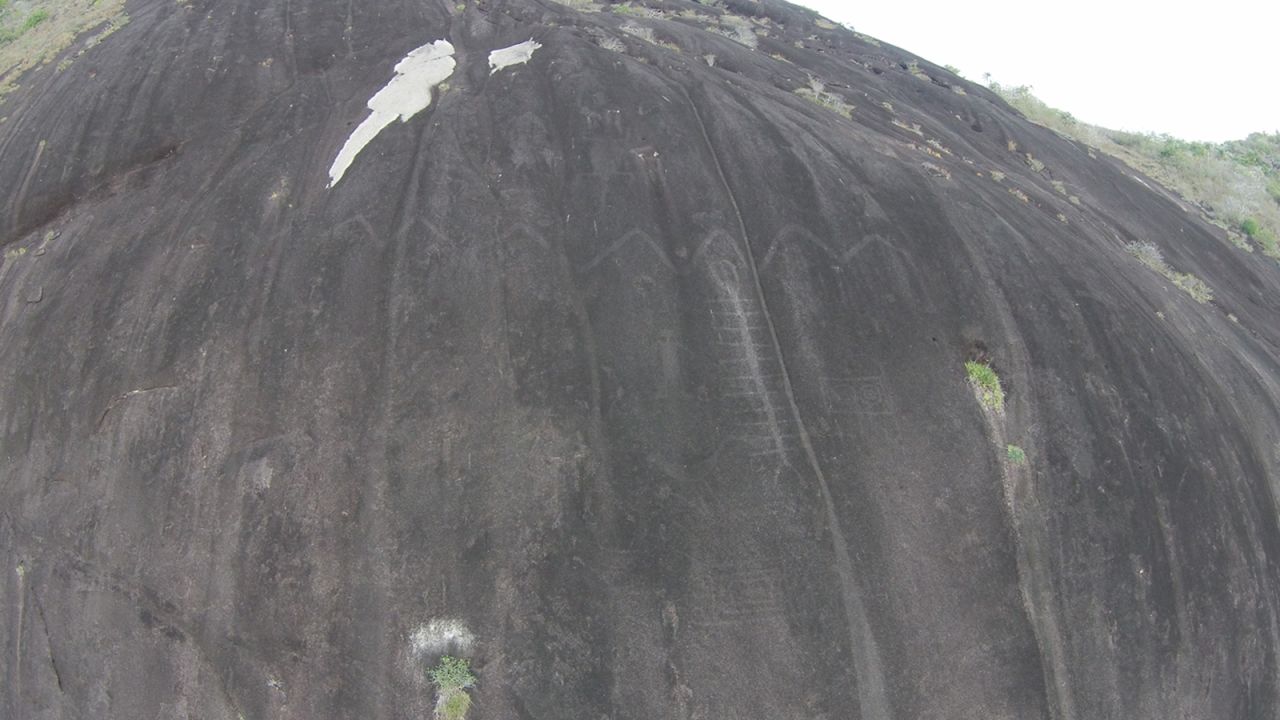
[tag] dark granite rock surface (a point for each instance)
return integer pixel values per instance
(631, 361)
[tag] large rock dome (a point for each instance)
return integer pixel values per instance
(621, 351)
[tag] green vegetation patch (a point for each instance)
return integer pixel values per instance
(986, 383)
(49, 27)
(452, 677)
(454, 706)
(1263, 236)
(627, 8)
(452, 674)
(1015, 455)
(1232, 182)
(34, 19)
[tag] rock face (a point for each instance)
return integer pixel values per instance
(630, 366)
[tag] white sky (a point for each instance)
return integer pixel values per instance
(1202, 71)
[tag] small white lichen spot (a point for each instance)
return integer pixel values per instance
(514, 55)
(438, 636)
(408, 94)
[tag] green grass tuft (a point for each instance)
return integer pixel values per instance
(1262, 235)
(1270, 246)
(987, 383)
(35, 19)
(453, 706)
(452, 677)
(1015, 454)
(452, 674)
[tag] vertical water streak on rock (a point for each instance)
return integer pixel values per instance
(1035, 581)
(15, 679)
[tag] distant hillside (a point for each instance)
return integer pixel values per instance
(33, 32)
(1236, 184)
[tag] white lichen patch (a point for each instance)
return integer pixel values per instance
(514, 55)
(408, 94)
(438, 636)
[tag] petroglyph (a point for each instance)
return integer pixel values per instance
(740, 332)
(841, 256)
(531, 146)
(608, 123)
(354, 230)
(669, 356)
(621, 242)
(858, 396)
(872, 248)
(523, 233)
(736, 596)
(908, 279)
